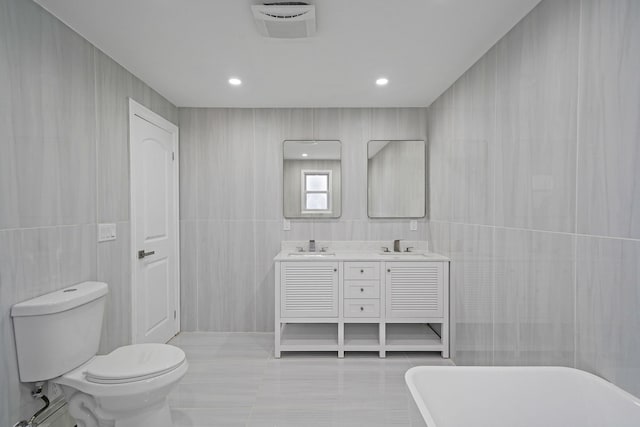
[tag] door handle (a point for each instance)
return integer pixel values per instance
(142, 253)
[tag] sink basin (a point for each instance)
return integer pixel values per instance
(312, 254)
(410, 255)
(403, 253)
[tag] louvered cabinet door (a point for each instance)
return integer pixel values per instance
(309, 289)
(414, 289)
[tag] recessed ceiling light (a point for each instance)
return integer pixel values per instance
(304, 155)
(382, 81)
(235, 81)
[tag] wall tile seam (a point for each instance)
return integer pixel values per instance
(47, 227)
(577, 183)
(494, 277)
(60, 227)
(196, 202)
(197, 257)
(96, 155)
(565, 233)
(253, 232)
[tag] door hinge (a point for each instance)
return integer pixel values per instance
(173, 155)
(174, 314)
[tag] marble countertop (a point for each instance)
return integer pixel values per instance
(330, 255)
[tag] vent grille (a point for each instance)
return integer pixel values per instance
(285, 21)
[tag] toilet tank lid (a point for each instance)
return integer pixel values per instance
(61, 300)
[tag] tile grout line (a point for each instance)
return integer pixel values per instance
(196, 226)
(577, 159)
(565, 233)
(95, 136)
(493, 231)
(262, 379)
(254, 226)
(45, 227)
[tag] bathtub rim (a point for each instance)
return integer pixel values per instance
(428, 418)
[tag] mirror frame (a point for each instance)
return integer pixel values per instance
(310, 216)
(426, 176)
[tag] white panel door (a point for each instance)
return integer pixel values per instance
(154, 209)
(309, 289)
(414, 289)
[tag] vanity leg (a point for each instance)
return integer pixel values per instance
(445, 339)
(340, 340)
(276, 346)
(446, 324)
(382, 338)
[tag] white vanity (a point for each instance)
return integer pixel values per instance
(356, 297)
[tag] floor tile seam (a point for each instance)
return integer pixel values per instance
(260, 383)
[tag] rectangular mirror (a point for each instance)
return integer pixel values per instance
(396, 177)
(312, 179)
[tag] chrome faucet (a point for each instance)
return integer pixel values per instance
(396, 245)
(312, 245)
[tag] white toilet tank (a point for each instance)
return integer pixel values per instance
(59, 331)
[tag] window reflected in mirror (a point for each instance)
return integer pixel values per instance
(316, 185)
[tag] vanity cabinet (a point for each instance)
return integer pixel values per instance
(354, 305)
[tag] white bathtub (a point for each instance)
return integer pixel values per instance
(456, 396)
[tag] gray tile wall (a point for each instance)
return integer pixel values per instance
(63, 168)
(231, 202)
(534, 186)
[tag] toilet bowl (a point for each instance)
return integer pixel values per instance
(57, 338)
(125, 388)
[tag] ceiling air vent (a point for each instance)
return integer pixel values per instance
(285, 20)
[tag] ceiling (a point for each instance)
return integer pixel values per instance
(311, 150)
(188, 49)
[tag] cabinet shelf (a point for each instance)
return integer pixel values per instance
(412, 337)
(309, 336)
(361, 334)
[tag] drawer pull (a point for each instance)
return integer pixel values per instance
(361, 289)
(388, 270)
(335, 269)
(361, 271)
(361, 308)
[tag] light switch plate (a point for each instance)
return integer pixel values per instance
(413, 225)
(286, 225)
(106, 232)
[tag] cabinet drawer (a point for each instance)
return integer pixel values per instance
(362, 289)
(361, 271)
(361, 307)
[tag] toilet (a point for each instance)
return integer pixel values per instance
(57, 338)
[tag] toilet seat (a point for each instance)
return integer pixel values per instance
(127, 381)
(134, 363)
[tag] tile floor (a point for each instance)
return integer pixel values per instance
(234, 380)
